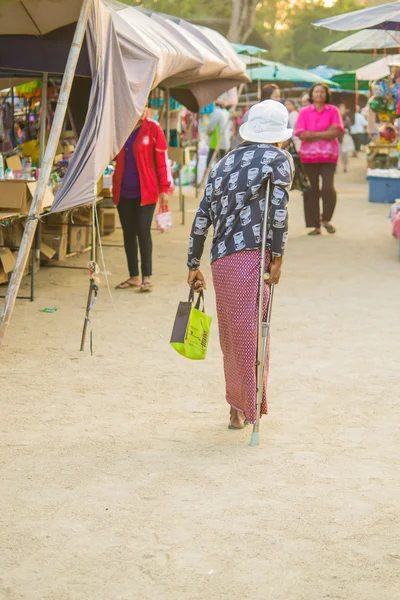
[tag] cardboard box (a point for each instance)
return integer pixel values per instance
(107, 221)
(56, 237)
(100, 185)
(56, 218)
(47, 251)
(14, 163)
(12, 234)
(7, 263)
(16, 196)
(82, 216)
(77, 238)
(28, 266)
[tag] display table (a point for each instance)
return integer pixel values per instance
(384, 154)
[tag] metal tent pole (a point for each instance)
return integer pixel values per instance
(38, 233)
(167, 113)
(45, 171)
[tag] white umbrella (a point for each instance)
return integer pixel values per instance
(384, 16)
(368, 41)
(378, 69)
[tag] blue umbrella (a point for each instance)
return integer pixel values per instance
(324, 71)
(385, 16)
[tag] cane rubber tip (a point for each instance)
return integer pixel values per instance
(255, 439)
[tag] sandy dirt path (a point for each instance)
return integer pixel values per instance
(119, 479)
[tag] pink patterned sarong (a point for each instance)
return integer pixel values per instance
(236, 282)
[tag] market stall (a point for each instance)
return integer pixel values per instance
(384, 103)
(127, 47)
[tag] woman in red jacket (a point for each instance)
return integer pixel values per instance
(140, 180)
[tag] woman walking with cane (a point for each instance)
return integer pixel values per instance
(233, 203)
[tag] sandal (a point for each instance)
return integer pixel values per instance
(315, 232)
(146, 286)
(330, 228)
(239, 428)
(126, 284)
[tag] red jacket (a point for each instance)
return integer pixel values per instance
(150, 150)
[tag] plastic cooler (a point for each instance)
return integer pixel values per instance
(383, 190)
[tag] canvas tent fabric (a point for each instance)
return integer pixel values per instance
(127, 55)
(368, 41)
(379, 68)
(384, 16)
(36, 17)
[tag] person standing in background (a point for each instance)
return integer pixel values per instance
(358, 130)
(220, 131)
(293, 116)
(305, 100)
(141, 179)
(271, 92)
(346, 144)
(319, 128)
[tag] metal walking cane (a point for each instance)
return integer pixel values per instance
(263, 326)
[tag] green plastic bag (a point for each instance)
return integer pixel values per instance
(191, 330)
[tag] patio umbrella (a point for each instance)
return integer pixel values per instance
(378, 68)
(250, 50)
(368, 41)
(385, 16)
(272, 71)
(324, 71)
(349, 81)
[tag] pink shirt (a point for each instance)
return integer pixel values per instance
(310, 119)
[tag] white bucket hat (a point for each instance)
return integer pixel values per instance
(267, 123)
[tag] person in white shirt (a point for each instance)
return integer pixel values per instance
(358, 130)
(293, 116)
(220, 131)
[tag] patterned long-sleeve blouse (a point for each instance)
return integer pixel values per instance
(234, 201)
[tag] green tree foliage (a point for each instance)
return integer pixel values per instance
(187, 9)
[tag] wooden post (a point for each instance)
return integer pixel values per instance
(46, 167)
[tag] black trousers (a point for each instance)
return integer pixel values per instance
(136, 226)
(358, 140)
(312, 210)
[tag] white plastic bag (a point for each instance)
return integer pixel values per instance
(164, 219)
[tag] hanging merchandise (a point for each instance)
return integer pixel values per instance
(377, 104)
(380, 88)
(387, 133)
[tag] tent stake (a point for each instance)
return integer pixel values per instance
(93, 287)
(48, 159)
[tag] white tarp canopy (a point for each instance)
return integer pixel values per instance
(130, 54)
(368, 40)
(378, 69)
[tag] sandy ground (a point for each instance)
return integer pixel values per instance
(119, 478)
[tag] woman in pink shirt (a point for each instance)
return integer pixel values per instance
(319, 128)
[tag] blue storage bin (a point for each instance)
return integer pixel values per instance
(383, 190)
